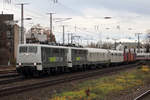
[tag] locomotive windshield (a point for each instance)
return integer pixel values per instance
(28, 49)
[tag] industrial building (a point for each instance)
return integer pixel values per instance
(9, 39)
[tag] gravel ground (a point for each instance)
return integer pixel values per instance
(130, 94)
(46, 93)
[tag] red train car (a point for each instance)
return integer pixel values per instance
(125, 55)
(129, 55)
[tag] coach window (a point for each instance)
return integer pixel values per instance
(63, 51)
(60, 51)
(74, 51)
(44, 54)
(115, 54)
(55, 50)
(82, 51)
(90, 55)
(79, 52)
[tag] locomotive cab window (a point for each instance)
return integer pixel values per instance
(23, 49)
(30, 49)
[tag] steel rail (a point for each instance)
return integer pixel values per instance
(142, 96)
(11, 80)
(7, 71)
(8, 75)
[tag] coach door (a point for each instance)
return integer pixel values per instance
(69, 58)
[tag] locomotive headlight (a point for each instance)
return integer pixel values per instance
(26, 54)
(19, 64)
(35, 64)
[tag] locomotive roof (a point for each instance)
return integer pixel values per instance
(89, 49)
(97, 50)
(138, 54)
(42, 45)
(52, 46)
(78, 48)
(115, 51)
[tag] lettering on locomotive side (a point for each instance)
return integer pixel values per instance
(52, 59)
(55, 59)
(78, 58)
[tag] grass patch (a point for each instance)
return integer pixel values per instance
(98, 89)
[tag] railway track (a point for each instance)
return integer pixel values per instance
(144, 96)
(11, 80)
(8, 75)
(50, 82)
(7, 71)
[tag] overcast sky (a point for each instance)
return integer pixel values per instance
(128, 16)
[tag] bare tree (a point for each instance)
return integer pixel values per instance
(147, 41)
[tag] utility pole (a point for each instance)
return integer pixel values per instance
(51, 22)
(138, 40)
(63, 34)
(78, 37)
(75, 28)
(71, 38)
(115, 43)
(68, 37)
(22, 22)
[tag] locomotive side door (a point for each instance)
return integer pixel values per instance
(69, 58)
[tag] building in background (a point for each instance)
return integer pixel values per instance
(9, 39)
(37, 34)
(128, 44)
(17, 37)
